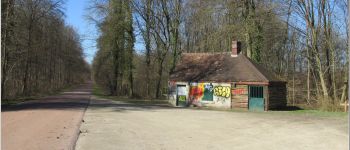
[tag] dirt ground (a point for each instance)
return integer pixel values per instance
(117, 125)
(51, 123)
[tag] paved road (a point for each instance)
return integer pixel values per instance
(51, 123)
(115, 125)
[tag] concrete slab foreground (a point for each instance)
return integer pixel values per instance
(111, 125)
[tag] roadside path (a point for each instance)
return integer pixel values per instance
(50, 123)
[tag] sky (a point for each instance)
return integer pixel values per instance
(75, 11)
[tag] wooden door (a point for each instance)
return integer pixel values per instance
(256, 98)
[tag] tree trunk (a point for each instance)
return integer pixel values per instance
(308, 65)
(148, 46)
(115, 72)
(28, 59)
(160, 73)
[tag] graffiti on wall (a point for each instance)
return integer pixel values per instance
(202, 91)
(221, 100)
(239, 91)
(182, 98)
(196, 92)
(208, 92)
(222, 91)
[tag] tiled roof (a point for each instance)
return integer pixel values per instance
(220, 67)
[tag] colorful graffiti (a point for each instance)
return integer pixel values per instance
(202, 91)
(182, 98)
(239, 91)
(222, 91)
(208, 92)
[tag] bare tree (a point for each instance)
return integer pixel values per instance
(41, 53)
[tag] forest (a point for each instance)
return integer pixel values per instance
(40, 54)
(304, 42)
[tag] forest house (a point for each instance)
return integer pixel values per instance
(225, 80)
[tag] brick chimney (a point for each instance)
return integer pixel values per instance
(236, 48)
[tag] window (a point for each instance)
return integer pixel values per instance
(256, 91)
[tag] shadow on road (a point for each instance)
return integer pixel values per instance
(78, 99)
(75, 99)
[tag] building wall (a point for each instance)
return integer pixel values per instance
(210, 94)
(266, 98)
(172, 85)
(277, 95)
(203, 94)
(239, 96)
(226, 95)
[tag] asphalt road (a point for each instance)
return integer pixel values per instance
(50, 123)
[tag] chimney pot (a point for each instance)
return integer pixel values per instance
(236, 48)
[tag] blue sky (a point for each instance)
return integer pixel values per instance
(75, 11)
